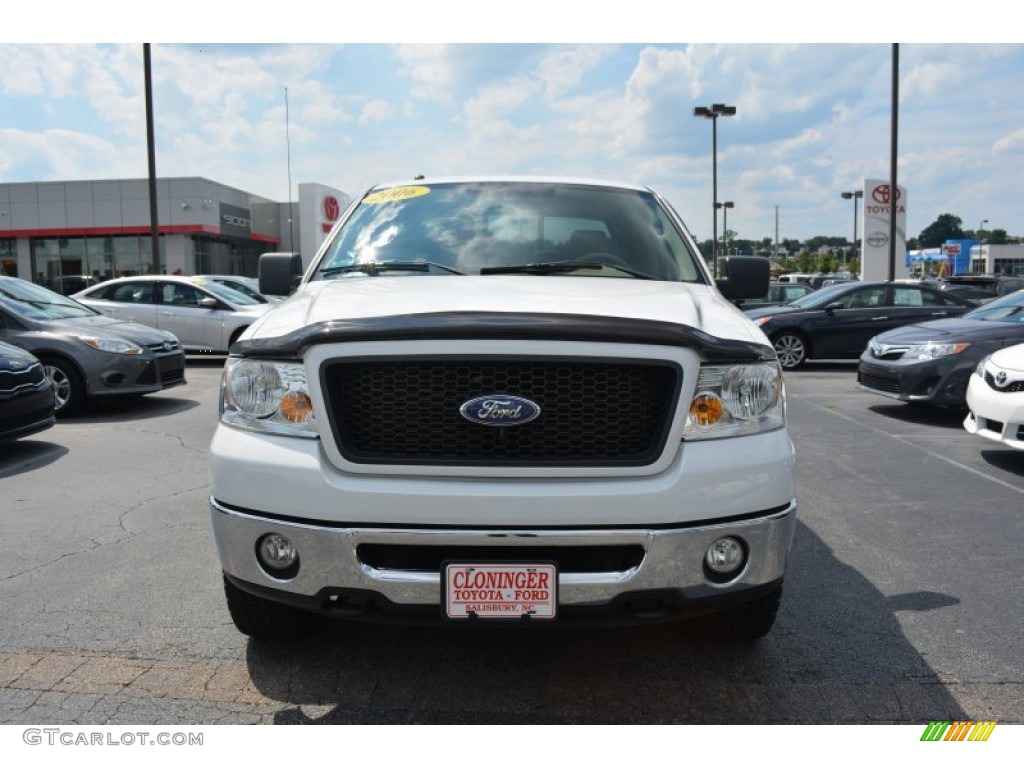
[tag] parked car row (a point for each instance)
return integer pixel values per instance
(932, 362)
(837, 321)
(84, 353)
(915, 343)
(126, 336)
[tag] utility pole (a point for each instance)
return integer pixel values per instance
(776, 231)
(894, 187)
(154, 224)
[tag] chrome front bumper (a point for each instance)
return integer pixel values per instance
(673, 559)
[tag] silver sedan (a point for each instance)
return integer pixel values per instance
(205, 316)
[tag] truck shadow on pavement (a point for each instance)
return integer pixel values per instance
(837, 654)
(950, 418)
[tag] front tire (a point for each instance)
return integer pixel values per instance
(264, 619)
(791, 350)
(68, 388)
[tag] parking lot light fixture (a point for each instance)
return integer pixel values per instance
(855, 196)
(712, 113)
(725, 224)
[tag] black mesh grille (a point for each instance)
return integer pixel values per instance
(881, 383)
(166, 370)
(592, 412)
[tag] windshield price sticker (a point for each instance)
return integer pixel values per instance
(507, 591)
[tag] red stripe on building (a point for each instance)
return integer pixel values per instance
(169, 229)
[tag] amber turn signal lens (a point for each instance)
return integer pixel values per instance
(296, 407)
(706, 409)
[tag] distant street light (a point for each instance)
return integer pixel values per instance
(981, 244)
(725, 224)
(855, 195)
(712, 113)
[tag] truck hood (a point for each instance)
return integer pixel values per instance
(356, 298)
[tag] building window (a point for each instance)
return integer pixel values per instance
(70, 264)
(8, 257)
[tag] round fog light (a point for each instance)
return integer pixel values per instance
(277, 553)
(725, 556)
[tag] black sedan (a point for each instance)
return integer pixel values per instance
(836, 322)
(932, 362)
(26, 395)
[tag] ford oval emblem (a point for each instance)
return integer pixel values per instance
(500, 410)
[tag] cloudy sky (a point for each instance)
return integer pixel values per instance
(396, 99)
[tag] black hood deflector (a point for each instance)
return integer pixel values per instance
(505, 326)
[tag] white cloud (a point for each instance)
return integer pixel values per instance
(563, 70)
(375, 111)
(1009, 143)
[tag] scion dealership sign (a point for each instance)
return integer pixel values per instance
(878, 203)
(235, 221)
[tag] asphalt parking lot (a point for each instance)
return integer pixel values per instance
(902, 602)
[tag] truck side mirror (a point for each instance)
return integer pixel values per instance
(744, 277)
(279, 273)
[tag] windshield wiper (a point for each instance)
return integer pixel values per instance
(374, 268)
(556, 267)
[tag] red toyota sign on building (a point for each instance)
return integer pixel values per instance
(332, 209)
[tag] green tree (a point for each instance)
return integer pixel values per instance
(946, 227)
(996, 237)
(806, 261)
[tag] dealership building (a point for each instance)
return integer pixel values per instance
(70, 234)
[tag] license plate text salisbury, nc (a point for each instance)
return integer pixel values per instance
(491, 590)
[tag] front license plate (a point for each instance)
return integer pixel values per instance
(500, 590)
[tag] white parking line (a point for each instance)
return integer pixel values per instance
(905, 441)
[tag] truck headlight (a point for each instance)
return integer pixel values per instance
(735, 400)
(267, 396)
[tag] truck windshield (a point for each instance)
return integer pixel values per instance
(495, 228)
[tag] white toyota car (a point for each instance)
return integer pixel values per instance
(995, 396)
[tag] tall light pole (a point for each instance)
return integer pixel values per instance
(712, 113)
(855, 196)
(725, 223)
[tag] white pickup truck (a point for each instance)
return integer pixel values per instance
(504, 400)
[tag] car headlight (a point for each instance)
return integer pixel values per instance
(932, 351)
(117, 346)
(762, 321)
(267, 396)
(735, 400)
(979, 369)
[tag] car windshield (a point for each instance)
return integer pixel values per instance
(1008, 309)
(38, 303)
(495, 228)
(229, 295)
(821, 296)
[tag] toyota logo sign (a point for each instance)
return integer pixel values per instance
(332, 209)
(880, 194)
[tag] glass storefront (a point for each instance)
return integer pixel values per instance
(69, 264)
(8, 257)
(222, 256)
